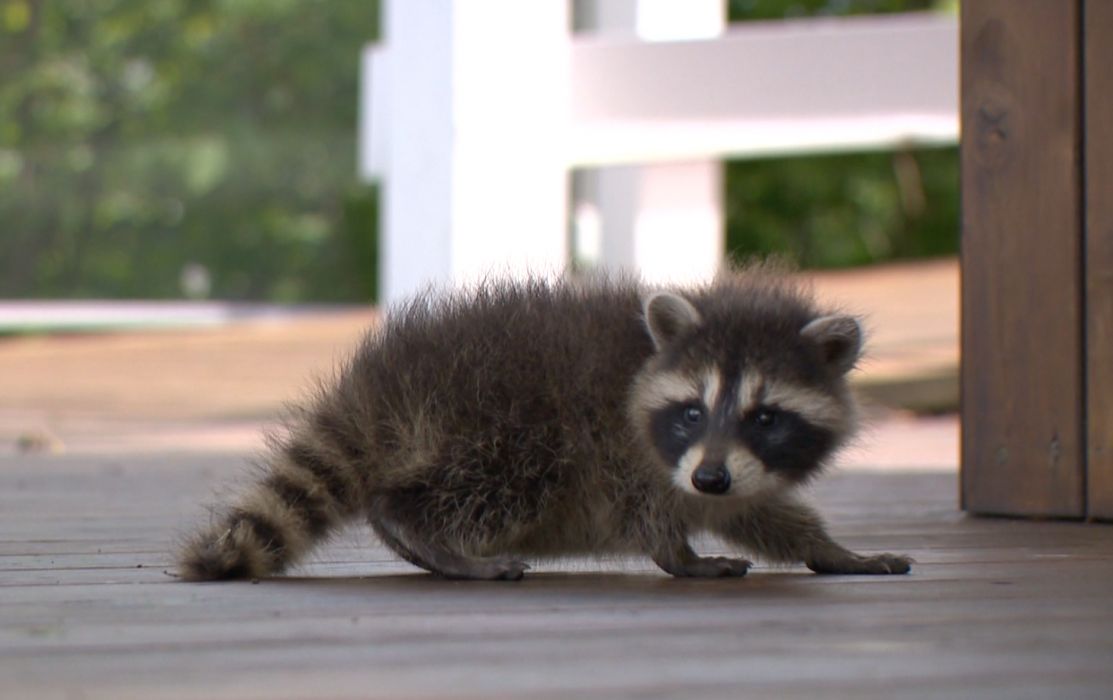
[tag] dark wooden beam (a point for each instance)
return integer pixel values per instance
(1098, 139)
(1022, 350)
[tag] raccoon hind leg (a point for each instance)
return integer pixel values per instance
(423, 550)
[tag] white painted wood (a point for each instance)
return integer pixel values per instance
(617, 18)
(766, 88)
(660, 220)
(669, 20)
(477, 108)
(374, 112)
(475, 122)
(510, 94)
(679, 226)
(417, 189)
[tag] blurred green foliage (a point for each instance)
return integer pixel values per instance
(159, 148)
(141, 138)
(846, 209)
(745, 10)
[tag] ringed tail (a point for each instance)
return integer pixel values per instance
(308, 489)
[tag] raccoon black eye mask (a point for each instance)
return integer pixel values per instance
(534, 419)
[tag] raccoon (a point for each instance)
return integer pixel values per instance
(537, 419)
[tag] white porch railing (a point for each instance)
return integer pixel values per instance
(475, 111)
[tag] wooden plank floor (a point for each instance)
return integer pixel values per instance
(994, 608)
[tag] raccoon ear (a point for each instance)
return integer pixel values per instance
(839, 339)
(668, 316)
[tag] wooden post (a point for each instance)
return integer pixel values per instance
(470, 139)
(1022, 324)
(663, 220)
(1037, 165)
(1097, 37)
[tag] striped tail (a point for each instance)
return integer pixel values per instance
(307, 492)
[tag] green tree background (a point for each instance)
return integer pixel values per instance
(143, 139)
(140, 137)
(847, 209)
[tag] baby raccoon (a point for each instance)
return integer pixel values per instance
(538, 419)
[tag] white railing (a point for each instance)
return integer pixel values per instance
(475, 111)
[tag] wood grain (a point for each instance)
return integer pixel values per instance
(1098, 51)
(1021, 253)
(993, 608)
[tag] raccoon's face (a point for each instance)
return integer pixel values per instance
(749, 420)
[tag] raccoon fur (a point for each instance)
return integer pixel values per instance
(535, 419)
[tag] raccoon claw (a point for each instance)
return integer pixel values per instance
(494, 569)
(512, 571)
(889, 564)
(879, 565)
(713, 567)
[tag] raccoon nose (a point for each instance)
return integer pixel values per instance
(711, 478)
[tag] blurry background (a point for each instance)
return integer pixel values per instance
(169, 149)
(183, 148)
(206, 149)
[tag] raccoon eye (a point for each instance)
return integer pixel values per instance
(765, 417)
(693, 415)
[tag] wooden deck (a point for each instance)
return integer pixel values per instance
(85, 390)
(994, 608)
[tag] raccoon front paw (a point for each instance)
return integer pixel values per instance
(849, 563)
(712, 567)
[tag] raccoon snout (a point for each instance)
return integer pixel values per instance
(711, 478)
